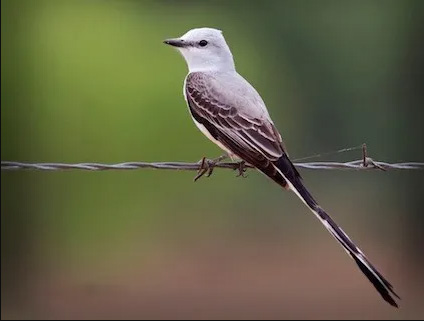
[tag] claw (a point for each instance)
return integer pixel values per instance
(204, 167)
(207, 166)
(210, 170)
(241, 169)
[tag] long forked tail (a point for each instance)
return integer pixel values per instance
(294, 182)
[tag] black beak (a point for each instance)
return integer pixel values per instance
(175, 42)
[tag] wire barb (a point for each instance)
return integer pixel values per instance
(369, 164)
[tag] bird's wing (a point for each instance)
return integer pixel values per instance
(225, 114)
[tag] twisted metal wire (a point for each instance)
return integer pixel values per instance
(363, 164)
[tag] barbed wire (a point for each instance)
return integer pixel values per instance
(362, 164)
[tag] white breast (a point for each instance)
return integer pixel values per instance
(204, 130)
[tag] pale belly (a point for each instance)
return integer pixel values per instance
(208, 135)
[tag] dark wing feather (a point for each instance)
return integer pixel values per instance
(255, 136)
(253, 139)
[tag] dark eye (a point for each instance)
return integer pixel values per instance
(203, 43)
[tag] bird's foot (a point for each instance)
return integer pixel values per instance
(241, 168)
(207, 166)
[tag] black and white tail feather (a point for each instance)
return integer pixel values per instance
(295, 184)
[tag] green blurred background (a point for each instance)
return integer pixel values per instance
(91, 81)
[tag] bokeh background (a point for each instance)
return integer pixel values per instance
(91, 81)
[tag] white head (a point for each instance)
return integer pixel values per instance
(204, 49)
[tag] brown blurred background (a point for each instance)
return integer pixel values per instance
(91, 81)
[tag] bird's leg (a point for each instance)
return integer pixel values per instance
(241, 169)
(213, 162)
(207, 166)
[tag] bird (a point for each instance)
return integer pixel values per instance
(230, 112)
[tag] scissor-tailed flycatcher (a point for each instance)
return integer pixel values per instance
(230, 112)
